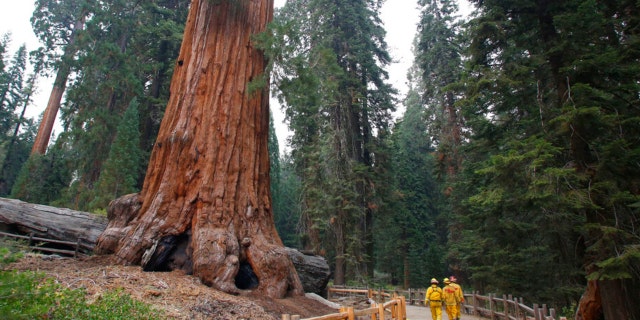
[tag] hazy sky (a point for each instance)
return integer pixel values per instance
(399, 16)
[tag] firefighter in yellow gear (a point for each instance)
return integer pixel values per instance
(451, 299)
(460, 293)
(433, 299)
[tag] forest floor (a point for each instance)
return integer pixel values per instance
(180, 296)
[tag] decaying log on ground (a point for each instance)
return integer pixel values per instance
(51, 222)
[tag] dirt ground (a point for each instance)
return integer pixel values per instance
(180, 296)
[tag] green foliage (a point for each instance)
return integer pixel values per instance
(43, 178)
(287, 203)
(16, 132)
(410, 238)
(547, 182)
(11, 87)
(328, 63)
(123, 166)
(9, 252)
(116, 51)
(30, 295)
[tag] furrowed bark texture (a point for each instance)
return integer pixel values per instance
(205, 206)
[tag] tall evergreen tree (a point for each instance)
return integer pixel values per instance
(440, 67)
(439, 60)
(11, 92)
(549, 122)
(11, 99)
(334, 86)
(58, 24)
(18, 135)
(412, 246)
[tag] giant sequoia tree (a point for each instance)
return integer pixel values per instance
(205, 206)
(58, 24)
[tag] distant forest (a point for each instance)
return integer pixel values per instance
(515, 165)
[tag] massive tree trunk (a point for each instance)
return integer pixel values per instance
(205, 206)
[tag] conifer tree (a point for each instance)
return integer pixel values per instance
(58, 24)
(439, 59)
(11, 92)
(439, 45)
(334, 85)
(16, 95)
(549, 122)
(412, 244)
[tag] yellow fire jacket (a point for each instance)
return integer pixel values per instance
(451, 297)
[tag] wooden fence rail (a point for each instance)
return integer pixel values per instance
(31, 239)
(396, 307)
(507, 307)
(491, 306)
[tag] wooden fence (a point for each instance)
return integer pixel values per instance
(507, 307)
(42, 241)
(396, 307)
(491, 306)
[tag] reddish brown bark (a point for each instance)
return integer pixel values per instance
(50, 113)
(57, 91)
(205, 206)
(590, 307)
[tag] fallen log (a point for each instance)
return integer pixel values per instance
(84, 228)
(50, 222)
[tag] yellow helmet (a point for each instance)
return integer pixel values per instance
(434, 281)
(446, 280)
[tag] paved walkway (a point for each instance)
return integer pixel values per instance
(423, 313)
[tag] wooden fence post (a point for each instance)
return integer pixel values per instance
(373, 314)
(536, 311)
(516, 307)
(286, 317)
(295, 317)
(381, 311)
(505, 302)
(475, 304)
(491, 306)
(350, 314)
